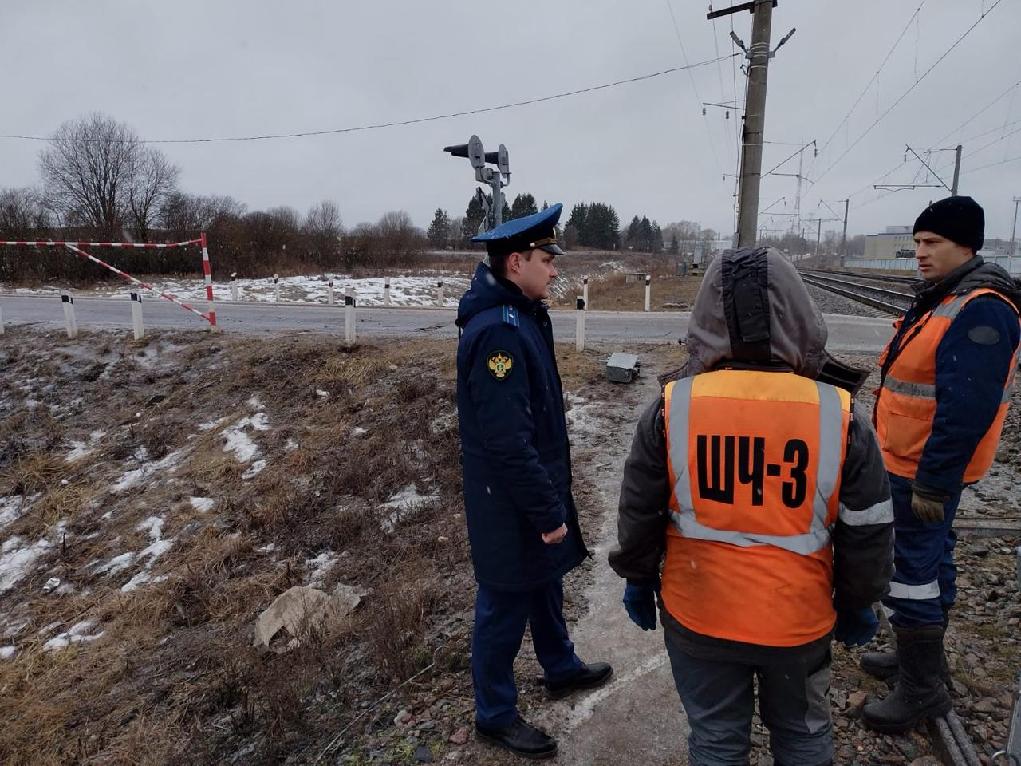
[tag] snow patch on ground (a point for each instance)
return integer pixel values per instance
(239, 443)
(202, 504)
(7, 652)
(582, 417)
(404, 291)
(321, 566)
(81, 449)
(402, 505)
(136, 476)
(78, 634)
(11, 509)
(154, 526)
(16, 560)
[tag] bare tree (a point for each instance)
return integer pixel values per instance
(152, 180)
(323, 220)
(23, 213)
(322, 230)
(97, 172)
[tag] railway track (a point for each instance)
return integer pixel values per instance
(891, 301)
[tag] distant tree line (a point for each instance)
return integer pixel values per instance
(101, 182)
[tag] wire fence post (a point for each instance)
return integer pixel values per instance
(136, 316)
(579, 333)
(69, 318)
(349, 318)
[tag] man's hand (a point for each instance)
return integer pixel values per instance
(640, 602)
(856, 628)
(556, 536)
(927, 506)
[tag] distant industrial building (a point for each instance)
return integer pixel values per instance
(894, 242)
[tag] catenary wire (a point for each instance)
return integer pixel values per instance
(415, 121)
(875, 76)
(905, 93)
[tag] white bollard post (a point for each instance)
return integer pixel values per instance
(579, 335)
(439, 292)
(329, 293)
(234, 286)
(136, 316)
(584, 291)
(386, 291)
(648, 291)
(69, 318)
(349, 318)
(276, 289)
(1, 320)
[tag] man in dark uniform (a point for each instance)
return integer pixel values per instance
(522, 522)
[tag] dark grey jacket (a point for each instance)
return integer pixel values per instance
(863, 534)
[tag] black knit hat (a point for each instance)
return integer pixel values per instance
(959, 219)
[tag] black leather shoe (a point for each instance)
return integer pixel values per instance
(521, 738)
(587, 677)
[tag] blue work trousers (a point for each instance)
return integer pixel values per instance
(924, 584)
(500, 619)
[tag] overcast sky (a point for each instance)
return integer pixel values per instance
(189, 69)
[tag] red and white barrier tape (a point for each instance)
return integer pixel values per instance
(136, 245)
(210, 316)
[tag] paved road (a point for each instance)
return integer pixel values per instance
(847, 334)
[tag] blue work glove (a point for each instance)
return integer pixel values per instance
(640, 602)
(856, 627)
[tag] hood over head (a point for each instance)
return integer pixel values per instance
(753, 310)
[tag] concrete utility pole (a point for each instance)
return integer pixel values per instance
(755, 116)
(843, 238)
(957, 169)
(1013, 231)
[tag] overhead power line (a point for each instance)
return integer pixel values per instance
(694, 86)
(417, 120)
(981, 111)
(874, 78)
(914, 85)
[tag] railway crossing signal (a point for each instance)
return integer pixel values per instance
(474, 152)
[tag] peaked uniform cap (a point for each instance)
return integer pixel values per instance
(528, 233)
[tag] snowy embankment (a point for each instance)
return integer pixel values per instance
(405, 290)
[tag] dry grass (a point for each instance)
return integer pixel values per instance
(174, 677)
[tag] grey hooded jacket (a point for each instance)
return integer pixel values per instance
(754, 312)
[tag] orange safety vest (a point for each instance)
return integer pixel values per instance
(906, 403)
(755, 464)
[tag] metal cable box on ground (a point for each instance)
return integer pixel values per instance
(622, 368)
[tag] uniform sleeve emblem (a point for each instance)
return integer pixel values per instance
(500, 364)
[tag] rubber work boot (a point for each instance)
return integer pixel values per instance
(520, 738)
(881, 665)
(587, 677)
(884, 666)
(920, 692)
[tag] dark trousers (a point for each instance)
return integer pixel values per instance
(719, 699)
(924, 582)
(500, 619)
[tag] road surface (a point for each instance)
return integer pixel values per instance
(847, 333)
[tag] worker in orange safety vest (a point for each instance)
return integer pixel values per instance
(755, 505)
(946, 379)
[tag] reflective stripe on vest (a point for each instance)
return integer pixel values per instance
(906, 404)
(826, 477)
(755, 462)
